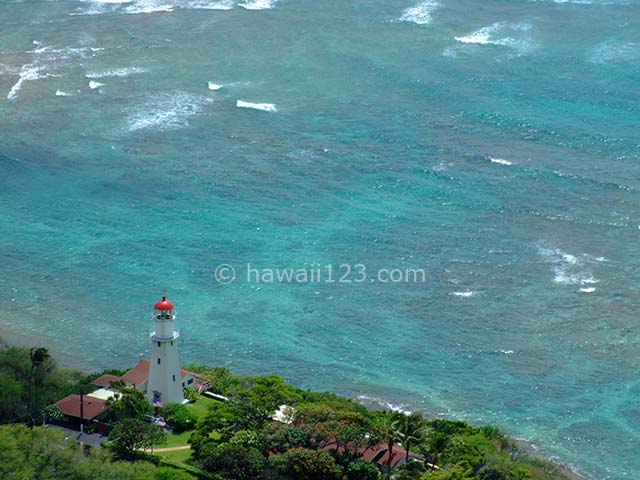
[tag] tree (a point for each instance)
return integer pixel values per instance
(131, 434)
(130, 403)
(411, 430)
(304, 464)
(11, 405)
(38, 357)
(233, 462)
(433, 447)
(408, 471)
(386, 430)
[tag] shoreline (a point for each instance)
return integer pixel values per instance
(526, 446)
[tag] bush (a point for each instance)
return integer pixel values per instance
(363, 471)
(191, 395)
(233, 462)
(304, 464)
(178, 416)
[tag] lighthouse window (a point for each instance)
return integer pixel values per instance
(158, 361)
(158, 343)
(172, 343)
(174, 378)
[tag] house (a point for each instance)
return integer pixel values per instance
(77, 409)
(378, 455)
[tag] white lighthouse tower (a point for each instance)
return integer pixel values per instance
(165, 381)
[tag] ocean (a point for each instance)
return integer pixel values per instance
(492, 145)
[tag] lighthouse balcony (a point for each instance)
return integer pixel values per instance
(164, 336)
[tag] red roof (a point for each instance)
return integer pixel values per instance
(377, 453)
(164, 304)
(140, 373)
(105, 380)
(70, 406)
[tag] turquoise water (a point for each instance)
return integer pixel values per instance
(494, 144)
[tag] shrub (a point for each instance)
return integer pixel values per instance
(178, 416)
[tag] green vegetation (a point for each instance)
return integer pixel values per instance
(46, 454)
(30, 381)
(323, 438)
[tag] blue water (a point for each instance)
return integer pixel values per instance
(387, 117)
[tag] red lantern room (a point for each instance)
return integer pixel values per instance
(164, 307)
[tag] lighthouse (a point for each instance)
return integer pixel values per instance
(165, 382)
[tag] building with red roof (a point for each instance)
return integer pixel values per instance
(104, 381)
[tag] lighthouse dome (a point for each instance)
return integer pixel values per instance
(164, 304)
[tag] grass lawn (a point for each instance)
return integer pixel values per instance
(176, 455)
(201, 406)
(176, 439)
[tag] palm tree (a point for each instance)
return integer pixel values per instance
(38, 357)
(387, 431)
(411, 430)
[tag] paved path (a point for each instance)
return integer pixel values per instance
(171, 449)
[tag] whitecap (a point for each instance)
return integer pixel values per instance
(93, 85)
(150, 6)
(166, 111)
(258, 4)
(97, 7)
(204, 5)
(30, 71)
(60, 93)
(482, 36)
(588, 290)
(466, 294)
(522, 43)
(500, 161)
(118, 72)
(419, 14)
(265, 107)
(214, 86)
(567, 269)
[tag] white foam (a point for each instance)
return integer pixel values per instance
(265, 107)
(258, 4)
(60, 93)
(500, 161)
(487, 36)
(567, 269)
(30, 71)
(98, 7)
(507, 352)
(482, 36)
(466, 294)
(384, 403)
(204, 5)
(166, 111)
(419, 14)
(214, 86)
(93, 85)
(118, 72)
(150, 6)
(588, 290)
